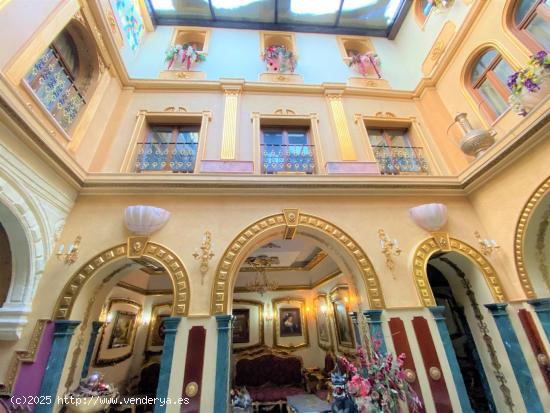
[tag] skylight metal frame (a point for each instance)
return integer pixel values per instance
(390, 32)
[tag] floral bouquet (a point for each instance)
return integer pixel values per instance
(93, 386)
(187, 52)
(377, 382)
(279, 59)
(528, 80)
(441, 4)
(366, 64)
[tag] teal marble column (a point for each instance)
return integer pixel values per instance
(170, 330)
(375, 327)
(96, 326)
(221, 392)
(439, 318)
(63, 333)
(542, 308)
(517, 359)
(356, 329)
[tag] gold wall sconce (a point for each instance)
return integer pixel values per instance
(205, 254)
(487, 246)
(71, 255)
(388, 247)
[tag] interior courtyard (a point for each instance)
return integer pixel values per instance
(285, 206)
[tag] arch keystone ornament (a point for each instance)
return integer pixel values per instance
(234, 254)
(519, 241)
(430, 246)
(149, 251)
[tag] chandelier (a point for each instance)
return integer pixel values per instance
(261, 283)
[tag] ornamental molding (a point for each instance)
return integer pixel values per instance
(153, 251)
(430, 246)
(233, 256)
(520, 233)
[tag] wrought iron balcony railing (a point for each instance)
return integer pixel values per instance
(287, 158)
(174, 157)
(55, 88)
(395, 160)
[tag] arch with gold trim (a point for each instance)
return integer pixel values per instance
(289, 222)
(153, 251)
(430, 246)
(519, 238)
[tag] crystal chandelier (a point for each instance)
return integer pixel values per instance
(261, 283)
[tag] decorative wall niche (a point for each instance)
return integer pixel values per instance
(359, 45)
(286, 39)
(199, 38)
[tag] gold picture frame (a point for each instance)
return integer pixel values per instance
(290, 328)
(343, 326)
(322, 322)
(106, 355)
(260, 326)
(155, 341)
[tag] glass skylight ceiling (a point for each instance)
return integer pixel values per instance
(363, 17)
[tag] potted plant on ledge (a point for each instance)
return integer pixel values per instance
(530, 84)
(279, 59)
(186, 54)
(441, 5)
(366, 64)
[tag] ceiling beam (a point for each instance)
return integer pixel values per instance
(212, 10)
(339, 14)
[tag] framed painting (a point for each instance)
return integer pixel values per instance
(342, 321)
(122, 333)
(117, 339)
(241, 325)
(290, 329)
(248, 324)
(155, 334)
(322, 321)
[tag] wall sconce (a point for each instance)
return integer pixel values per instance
(388, 247)
(109, 317)
(205, 254)
(487, 246)
(324, 308)
(71, 255)
(145, 319)
(269, 315)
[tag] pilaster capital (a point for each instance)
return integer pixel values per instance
(437, 311)
(540, 304)
(65, 327)
(224, 321)
(171, 325)
(373, 316)
(497, 309)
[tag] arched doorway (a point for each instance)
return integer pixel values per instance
(116, 299)
(532, 243)
(453, 290)
(347, 283)
(459, 278)
(5, 265)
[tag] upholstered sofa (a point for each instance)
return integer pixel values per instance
(269, 376)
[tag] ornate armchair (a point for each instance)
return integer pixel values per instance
(317, 380)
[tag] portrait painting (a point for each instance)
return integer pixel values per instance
(123, 328)
(321, 317)
(157, 332)
(343, 324)
(290, 322)
(241, 325)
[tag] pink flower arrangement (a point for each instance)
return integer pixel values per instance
(377, 382)
(366, 64)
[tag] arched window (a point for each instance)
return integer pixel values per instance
(531, 23)
(487, 79)
(62, 75)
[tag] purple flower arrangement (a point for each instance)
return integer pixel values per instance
(528, 80)
(377, 382)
